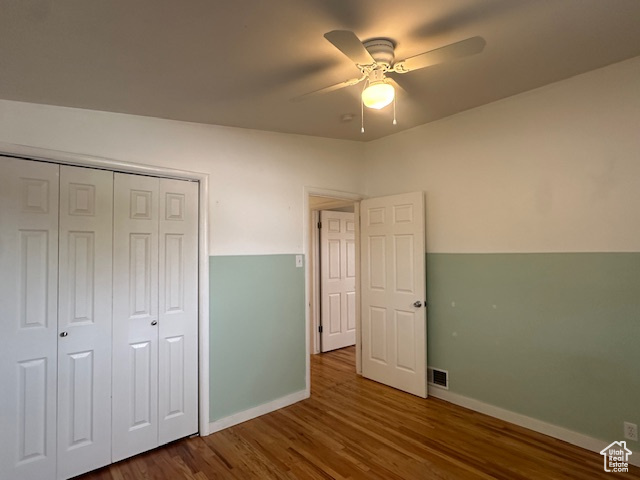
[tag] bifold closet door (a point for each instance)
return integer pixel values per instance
(135, 315)
(178, 313)
(98, 317)
(84, 320)
(155, 344)
(28, 318)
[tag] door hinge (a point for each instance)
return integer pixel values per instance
(320, 329)
(319, 224)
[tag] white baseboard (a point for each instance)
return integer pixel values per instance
(254, 412)
(561, 433)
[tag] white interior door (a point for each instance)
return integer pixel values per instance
(135, 315)
(394, 341)
(28, 318)
(178, 314)
(84, 320)
(338, 279)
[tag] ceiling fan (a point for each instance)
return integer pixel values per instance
(375, 59)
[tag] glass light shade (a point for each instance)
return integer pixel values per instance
(378, 95)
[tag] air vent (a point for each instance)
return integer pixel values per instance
(437, 377)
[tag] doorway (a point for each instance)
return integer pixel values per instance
(334, 273)
(391, 333)
(328, 200)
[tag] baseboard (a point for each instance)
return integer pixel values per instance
(254, 412)
(561, 433)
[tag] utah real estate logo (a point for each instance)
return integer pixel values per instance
(616, 457)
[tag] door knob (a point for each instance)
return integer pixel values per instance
(64, 334)
(417, 304)
(154, 323)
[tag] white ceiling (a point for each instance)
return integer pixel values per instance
(238, 62)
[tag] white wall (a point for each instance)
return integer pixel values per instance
(556, 169)
(256, 178)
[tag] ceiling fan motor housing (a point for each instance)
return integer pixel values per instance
(381, 50)
(376, 76)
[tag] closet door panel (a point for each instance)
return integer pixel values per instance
(178, 314)
(135, 315)
(28, 318)
(84, 321)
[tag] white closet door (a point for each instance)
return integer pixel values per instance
(178, 348)
(135, 315)
(28, 318)
(84, 320)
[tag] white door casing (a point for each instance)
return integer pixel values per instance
(84, 320)
(135, 315)
(28, 318)
(338, 279)
(394, 348)
(178, 312)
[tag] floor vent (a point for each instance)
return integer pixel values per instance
(437, 377)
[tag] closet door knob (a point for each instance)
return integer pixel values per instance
(417, 304)
(64, 334)
(154, 323)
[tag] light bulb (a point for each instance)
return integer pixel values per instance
(378, 95)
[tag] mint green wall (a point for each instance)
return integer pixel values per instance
(555, 336)
(257, 331)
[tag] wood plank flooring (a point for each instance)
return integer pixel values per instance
(357, 429)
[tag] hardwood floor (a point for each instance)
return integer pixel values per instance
(356, 428)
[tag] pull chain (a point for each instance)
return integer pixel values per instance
(362, 107)
(394, 109)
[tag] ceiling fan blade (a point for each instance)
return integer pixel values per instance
(331, 88)
(464, 48)
(348, 43)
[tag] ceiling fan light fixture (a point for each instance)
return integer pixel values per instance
(378, 95)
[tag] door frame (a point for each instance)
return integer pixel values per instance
(308, 230)
(80, 160)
